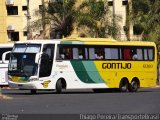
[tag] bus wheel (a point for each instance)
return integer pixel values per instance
(59, 86)
(133, 87)
(123, 87)
(33, 91)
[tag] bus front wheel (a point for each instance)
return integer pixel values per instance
(123, 87)
(59, 86)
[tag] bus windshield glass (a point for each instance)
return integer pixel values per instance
(22, 64)
(22, 60)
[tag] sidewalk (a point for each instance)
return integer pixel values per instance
(158, 86)
(3, 96)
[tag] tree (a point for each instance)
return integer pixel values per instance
(146, 18)
(61, 16)
(97, 17)
(58, 16)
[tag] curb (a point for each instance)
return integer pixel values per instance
(2, 97)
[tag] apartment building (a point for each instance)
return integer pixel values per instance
(119, 8)
(14, 18)
(3, 22)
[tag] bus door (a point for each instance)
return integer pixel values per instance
(46, 60)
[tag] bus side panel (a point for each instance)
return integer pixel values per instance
(113, 71)
(79, 74)
(3, 74)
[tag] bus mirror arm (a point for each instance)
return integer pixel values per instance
(4, 57)
(38, 57)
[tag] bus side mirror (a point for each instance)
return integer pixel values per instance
(4, 56)
(38, 57)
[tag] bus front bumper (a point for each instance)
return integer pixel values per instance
(25, 86)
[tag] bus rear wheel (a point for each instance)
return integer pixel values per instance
(123, 87)
(133, 87)
(59, 86)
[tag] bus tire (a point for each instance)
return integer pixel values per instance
(123, 86)
(134, 85)
(33, 91)
(59, 86)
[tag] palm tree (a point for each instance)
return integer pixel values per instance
(57, 17)
(61, 16)
(146, 18)
(96, 16)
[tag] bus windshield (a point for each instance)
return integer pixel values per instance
(22, 60)
(22, 64)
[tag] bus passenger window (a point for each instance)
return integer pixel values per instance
(139, 54)
(127, 54)
(75, 53)
(68, 53)
(135, 57)
(134, 54)
(80, 56)
(99, 56)
(111, 53)
(65, 53)
(62, 56)
(145, 54)
(78, 53)
(99, 53)
(150, 54)
(86, 53)
(91, 53)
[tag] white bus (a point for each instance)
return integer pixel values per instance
(82, 63)
(4, 65)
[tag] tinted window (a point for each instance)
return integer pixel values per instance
(94, 52)
(12, 10)
(111, 53)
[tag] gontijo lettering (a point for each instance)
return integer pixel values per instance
(116, 65)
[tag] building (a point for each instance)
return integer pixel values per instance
(3, 22)
(117, 8)
(14, 18)
(16, 15)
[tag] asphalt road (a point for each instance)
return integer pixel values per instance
(81, 101)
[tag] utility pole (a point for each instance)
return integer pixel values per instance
(28, 21)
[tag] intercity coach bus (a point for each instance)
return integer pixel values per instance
(82, 63)
(4, 65)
